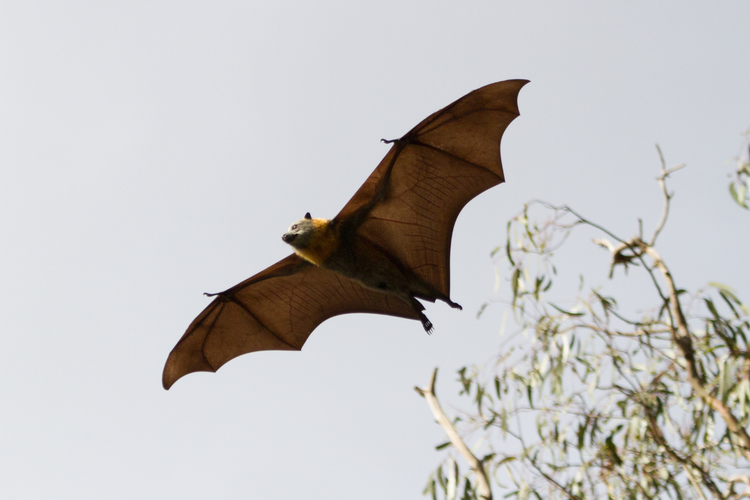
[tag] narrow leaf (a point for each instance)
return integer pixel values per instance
(567, 312)
(738, 194)
(514, 284)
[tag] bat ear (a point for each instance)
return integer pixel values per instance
(307, 216)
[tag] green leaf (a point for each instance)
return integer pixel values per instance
(729, 303)
(465, 381)
(441, 478)
(738, 191)
(528, 393)
(507, 246)
(712, 308)
(581, 434)
(744, 397)
(468, 491)
(612, 449)
(567, 312)
(490, 421)
(430, 486)
(726, 289)
(565, 348)
(724, 383)
(727, 293)
(443, 445)
(514, 284)
(594, 429)
(481, 309)
(479, 396)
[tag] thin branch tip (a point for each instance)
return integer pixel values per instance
(433, 378)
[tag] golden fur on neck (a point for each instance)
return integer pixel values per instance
(322, 242)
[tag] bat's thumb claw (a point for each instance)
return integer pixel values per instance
(454, 305)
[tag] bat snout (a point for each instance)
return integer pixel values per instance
(288, 237)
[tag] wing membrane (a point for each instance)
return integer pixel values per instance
(411, 201)
(276, 309)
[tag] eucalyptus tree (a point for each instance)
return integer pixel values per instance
(589, 398)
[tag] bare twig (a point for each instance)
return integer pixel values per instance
(667, 197)
(568, 494)
(628, 244)
(483, 484)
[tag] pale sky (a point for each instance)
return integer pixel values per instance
(153, 151)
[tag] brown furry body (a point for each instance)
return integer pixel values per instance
(323, 243)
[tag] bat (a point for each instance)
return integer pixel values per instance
(388, 247)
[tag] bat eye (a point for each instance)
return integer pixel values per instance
(294, 227)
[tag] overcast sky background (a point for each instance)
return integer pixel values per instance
(153, 151)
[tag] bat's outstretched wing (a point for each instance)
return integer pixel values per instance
(407, 207)
(410, 203)
(276, 309)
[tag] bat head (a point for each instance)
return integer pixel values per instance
(300, 233)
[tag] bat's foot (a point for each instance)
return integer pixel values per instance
(389, 141)
(426, 324)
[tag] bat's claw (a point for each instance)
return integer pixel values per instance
(453, 304)
(426, 324)
(389, 141)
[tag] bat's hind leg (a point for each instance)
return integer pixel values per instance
(418, 307)
(433, 294)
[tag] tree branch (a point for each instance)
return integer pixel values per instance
(659, 438)
(628, 244)
(553, 482)
(483, 484)
(667, 197)
(683, 340)
(695, 484)
(738, 479)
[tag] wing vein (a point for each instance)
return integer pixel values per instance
(247, 310)
(416, 142)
